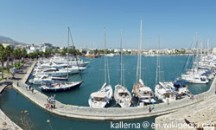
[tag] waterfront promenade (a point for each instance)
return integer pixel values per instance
(2, 87)
(82, 112)
(6, 123)
(201, 115)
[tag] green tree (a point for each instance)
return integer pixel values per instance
(17, 54)
(48, 53)
(3, 58)
(23, 53)
(64, 51)
(9, 54)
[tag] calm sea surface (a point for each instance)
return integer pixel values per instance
(12, 103)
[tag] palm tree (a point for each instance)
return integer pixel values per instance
(17, 55)
(9, 54)
(23, 53)
(3, 58)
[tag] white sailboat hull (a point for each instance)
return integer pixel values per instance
(164, 94)
(60, 86)
(102, 97)
(122, 96)
(192, 78)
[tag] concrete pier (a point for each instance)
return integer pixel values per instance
(2, 86)
(6, 123)
(106, 113)
(201, 115)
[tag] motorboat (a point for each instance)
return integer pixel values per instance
(57, 87)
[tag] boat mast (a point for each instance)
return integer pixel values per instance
(197, 55)
(140, 51)
(121, 65)
(158, 64)
(74, 50)
(105, 67)
(194, 64)
(68, 40)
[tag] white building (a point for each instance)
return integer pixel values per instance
(46, 46)
(32, 48)
(213, 50)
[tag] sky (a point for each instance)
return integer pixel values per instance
(175, 21)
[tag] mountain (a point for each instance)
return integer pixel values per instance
(4, 39)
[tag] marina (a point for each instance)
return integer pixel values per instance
(82, 111)
(106, 113)
(89, 65)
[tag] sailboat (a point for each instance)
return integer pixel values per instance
(63, 86)
(41, 79)
(140, 90)
(121, 94)
(163, 92)
(196, 75)
(101, 98)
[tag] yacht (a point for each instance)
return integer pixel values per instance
(70, 61)
(195, 78)
(181, 88)
(143, 93)
(121, 94)
(163, 91)
(110, 55)
(63, 86)
(196, 75)
(41, 80)
(140, 90)
(165, 94)
(101, 98)
(57, 87)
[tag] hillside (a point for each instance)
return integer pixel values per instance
(4, 39)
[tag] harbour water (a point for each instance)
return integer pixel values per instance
(12, 103)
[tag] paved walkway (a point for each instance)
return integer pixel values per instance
(200, 115)
(6, 123)
(106, 113)
(2, 87)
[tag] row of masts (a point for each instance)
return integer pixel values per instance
(54, 75)
(122, 95)
(164, 91)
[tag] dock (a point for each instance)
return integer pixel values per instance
(198, 116)
(82, 112)
(6, 123)
(2, 86)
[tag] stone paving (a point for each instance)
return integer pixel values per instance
(201, 115)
